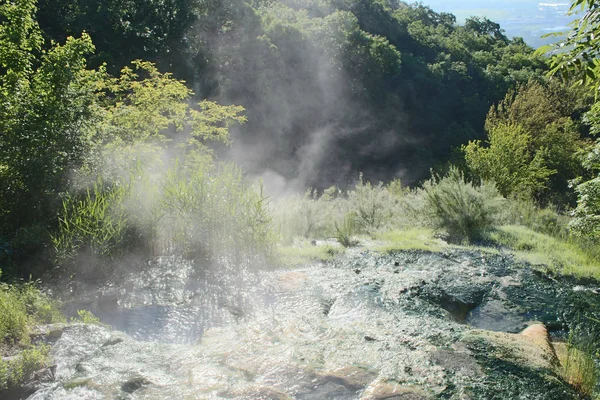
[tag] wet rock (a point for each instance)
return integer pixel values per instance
(47, 333)
(258, 393)
(459, 362)
(496, 315)
(135, 383)
(112, 342)
(538, 334)
(385, 390)
(351, 377)
(75, 383)
(44, 374)
(531, 350)
(457, 300)
(291, 281)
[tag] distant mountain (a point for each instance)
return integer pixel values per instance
(529, 19)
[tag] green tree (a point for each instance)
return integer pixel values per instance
(46, 97)
(576, 57)
(544, 111)
(507, 160)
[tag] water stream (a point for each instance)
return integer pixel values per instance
(365, 326)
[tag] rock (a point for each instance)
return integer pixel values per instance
(112, 342)
(258, 393)
(291, 281)
(134, 384)
(538, 334)
(351, 377)
(386, 390)
(44, 374)
(458, 300)
(530, 349)
(458, 362)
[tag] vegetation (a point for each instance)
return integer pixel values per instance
(106, 151)
(578, 366)
(22, 307)
(455, 206)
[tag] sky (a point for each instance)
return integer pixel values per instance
(529, 19)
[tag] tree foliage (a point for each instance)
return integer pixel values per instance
(63, 123)
(508, 161)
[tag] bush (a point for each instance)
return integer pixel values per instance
(95, 220)
(21, 307)
(455, 206)
(543, 220)
(19, 370)
(373, 208)
(194, 209)
(346, 229)
(373, 205)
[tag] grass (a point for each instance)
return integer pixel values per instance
(22, 306)
(306, 253)
(412, 239)
(559, 256)
(577, 364)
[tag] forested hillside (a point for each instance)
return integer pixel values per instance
(331, 88)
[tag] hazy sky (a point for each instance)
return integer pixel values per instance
(529, 19)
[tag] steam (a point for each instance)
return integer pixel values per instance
(310, 124)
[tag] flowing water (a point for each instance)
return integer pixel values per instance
(409, 325)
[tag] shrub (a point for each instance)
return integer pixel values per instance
(193, 209)
(22, 306)
(543, 220)
(460, 209)
(578, 366)
(19, 370)
(346, 229)
(95, 220)
(373, 205)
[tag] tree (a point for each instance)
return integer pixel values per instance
(61, 120)
(508, 161)
(46, 97)
(577, 57)
(544, 110)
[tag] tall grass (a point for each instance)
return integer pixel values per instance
(578, 364)
(95, 220)
(194, 209)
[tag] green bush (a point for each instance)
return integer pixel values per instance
(21, 307)
(212, 212)
(463, 211)
(194, 209)
(543, 220)
(95, 221)
(346, 229)
(579, 366)
(373, 205)
(19, 370)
